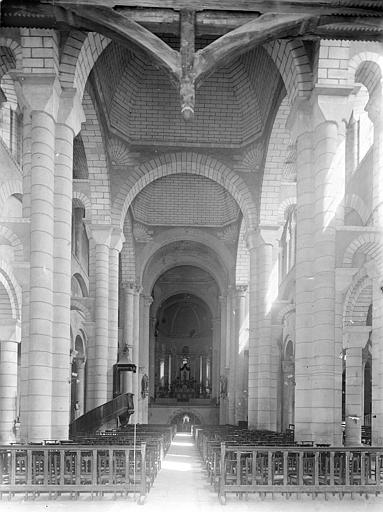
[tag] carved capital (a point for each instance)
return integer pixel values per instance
(117, 239)
(148, 301)
(331, 104)
(241, 290)
(129, 287)
(100, 233)
(299, 119)
(70, 111)
(39, 92)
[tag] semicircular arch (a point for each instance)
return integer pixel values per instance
(185, 163)
(157, 267)
(192, 235)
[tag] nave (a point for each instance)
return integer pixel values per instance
(182, 484)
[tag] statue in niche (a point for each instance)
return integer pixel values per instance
(144, 386)
(223, 386)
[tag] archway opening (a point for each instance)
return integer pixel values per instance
(184, 421)
(183, 348)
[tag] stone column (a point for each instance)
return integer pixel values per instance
(128, 319)
(377, 361)
(117, 240)
(216, 324)
(136, 352)
(251, 240)
(27, 157)
(231, 354)
(9, 339)
(80, 390)
(240, 327)
(41, 93)
(68, 125)
(355, 339)
(24, 369)
(299, 124)
(144, 353)
(98, 372)
(320, 186)
(260, 343)
(329, 177)
(374, 109)
(266, 401)
(223, 419)
(152, 357)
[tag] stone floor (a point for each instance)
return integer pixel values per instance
(181, 486)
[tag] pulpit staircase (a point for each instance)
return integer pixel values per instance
(121, 407)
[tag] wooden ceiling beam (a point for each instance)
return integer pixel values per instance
(313, 7)
(259, 31)
(118, 24)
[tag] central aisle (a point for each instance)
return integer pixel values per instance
(182, 484)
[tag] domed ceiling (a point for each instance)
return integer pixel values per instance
(232, 105)
(184, 316)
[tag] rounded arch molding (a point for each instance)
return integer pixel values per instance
(178, 413)
(359, 293)
(185, 163)
(366, 68)
(191, 235)
(203, 297)
(157, 268)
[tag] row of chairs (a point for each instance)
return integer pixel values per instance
(240, 462)
(82, 465)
